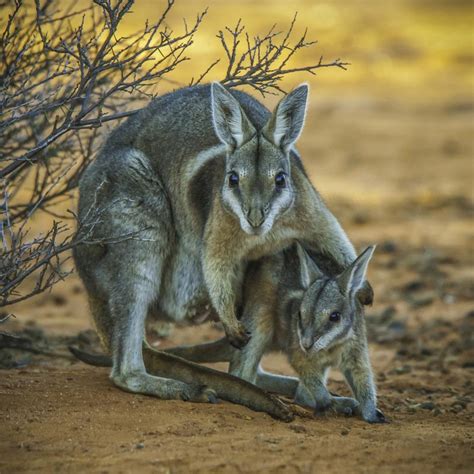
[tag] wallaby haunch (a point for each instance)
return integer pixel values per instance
(180, 199)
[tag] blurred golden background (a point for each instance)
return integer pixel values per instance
(419, 49)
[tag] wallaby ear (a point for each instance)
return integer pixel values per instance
(309, 272)
(353, 277)
(286, 123)
(230, 122)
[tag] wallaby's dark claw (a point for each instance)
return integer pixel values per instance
(381, 417)
(238, 337)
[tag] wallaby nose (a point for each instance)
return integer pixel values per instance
(256, 216)
(307, 342)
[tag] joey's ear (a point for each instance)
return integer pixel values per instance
(309, 272)
(352, 279)
(286, 123)
(231, 124)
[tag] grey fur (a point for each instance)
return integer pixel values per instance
(162, 177)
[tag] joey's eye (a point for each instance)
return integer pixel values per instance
(280, 180)
(335, 317)
(233, 179)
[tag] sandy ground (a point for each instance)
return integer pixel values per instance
(395, 174)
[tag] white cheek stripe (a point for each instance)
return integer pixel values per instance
(323, 342)
(202, 158)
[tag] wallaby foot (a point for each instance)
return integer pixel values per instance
(165, 389)
(373, 416)
(341, 405)
(359, 376)
(314, 394)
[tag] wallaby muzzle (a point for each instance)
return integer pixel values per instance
(306, 341)
(256, 216)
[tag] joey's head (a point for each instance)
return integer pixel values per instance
(257, 186)
(327, 311)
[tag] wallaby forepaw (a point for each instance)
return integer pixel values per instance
(338, 405)
(238, 336)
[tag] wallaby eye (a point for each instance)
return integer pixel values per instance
(233, 179)
(335, 317)
(280, 180)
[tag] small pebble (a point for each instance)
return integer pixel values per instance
(427, 406)
(139, 446)
(298, 428)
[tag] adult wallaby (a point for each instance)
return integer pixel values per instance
(180, 198)
(290, 305)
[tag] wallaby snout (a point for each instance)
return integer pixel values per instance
(306, 339)
(307, 343)
(256, 216)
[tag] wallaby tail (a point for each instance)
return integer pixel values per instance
(99, 360)
(226, 386)
(215, 351)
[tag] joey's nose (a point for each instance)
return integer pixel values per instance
(307, 342)
(256, 216)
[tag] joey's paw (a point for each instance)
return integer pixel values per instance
(366, 294)
(375, 417)
(344, 405)
(198, 394)
(238, 336)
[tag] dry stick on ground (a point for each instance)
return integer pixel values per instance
(67, 73)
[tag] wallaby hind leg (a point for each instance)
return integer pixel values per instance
(128, 368)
